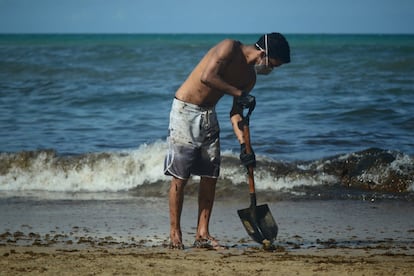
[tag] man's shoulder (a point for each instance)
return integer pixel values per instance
(230, 42)
(228, 46)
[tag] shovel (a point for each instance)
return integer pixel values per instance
(257, 220)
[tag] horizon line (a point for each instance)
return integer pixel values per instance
(201, 33)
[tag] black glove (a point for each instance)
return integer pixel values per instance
(246, 101)
(247, 159)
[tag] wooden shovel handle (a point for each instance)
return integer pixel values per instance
(246, 134)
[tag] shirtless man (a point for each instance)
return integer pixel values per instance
(194, 146)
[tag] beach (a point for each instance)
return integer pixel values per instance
(84, 120)
(100, 235)
(37, 260)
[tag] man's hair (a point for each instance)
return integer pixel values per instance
(278, 47)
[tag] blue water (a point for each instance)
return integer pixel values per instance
(88, 93)
(82, 94)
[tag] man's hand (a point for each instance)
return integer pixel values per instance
(246, 101)
(247, 159)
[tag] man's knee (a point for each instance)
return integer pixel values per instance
(178, 184)
(208, 180)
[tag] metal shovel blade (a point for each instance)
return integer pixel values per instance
(259, 223)
(257, 220)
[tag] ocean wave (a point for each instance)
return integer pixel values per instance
(140, 171)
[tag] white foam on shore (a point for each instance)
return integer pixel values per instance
(121, 171)
(269, 180)
(404, 164)
(93, 173)
(126, 170)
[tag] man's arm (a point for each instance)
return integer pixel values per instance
(236, 116)
(212, 74)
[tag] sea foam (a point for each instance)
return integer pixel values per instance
(93, 172)
(46, 170)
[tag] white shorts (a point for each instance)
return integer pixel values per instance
(193, 141)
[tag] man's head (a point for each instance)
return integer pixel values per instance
(277, 46)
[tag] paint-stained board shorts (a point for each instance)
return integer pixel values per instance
(193, 142)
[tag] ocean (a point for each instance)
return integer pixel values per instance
(83, 115)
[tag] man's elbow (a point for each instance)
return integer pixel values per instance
(235, 112)
(206, 79)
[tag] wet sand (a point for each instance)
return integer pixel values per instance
(128, 235)
(37, 260)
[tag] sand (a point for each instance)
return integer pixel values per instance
(37, 260)
(129, 236)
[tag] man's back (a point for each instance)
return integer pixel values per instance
(227, 61)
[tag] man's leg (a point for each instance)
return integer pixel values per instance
(206, 195)
(176, 198)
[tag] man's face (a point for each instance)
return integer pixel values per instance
(274, 62)
(266, 65)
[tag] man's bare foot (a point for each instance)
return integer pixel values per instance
(176, 240)
(178, 246)
(208, 243)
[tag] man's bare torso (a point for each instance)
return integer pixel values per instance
(229, 63)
